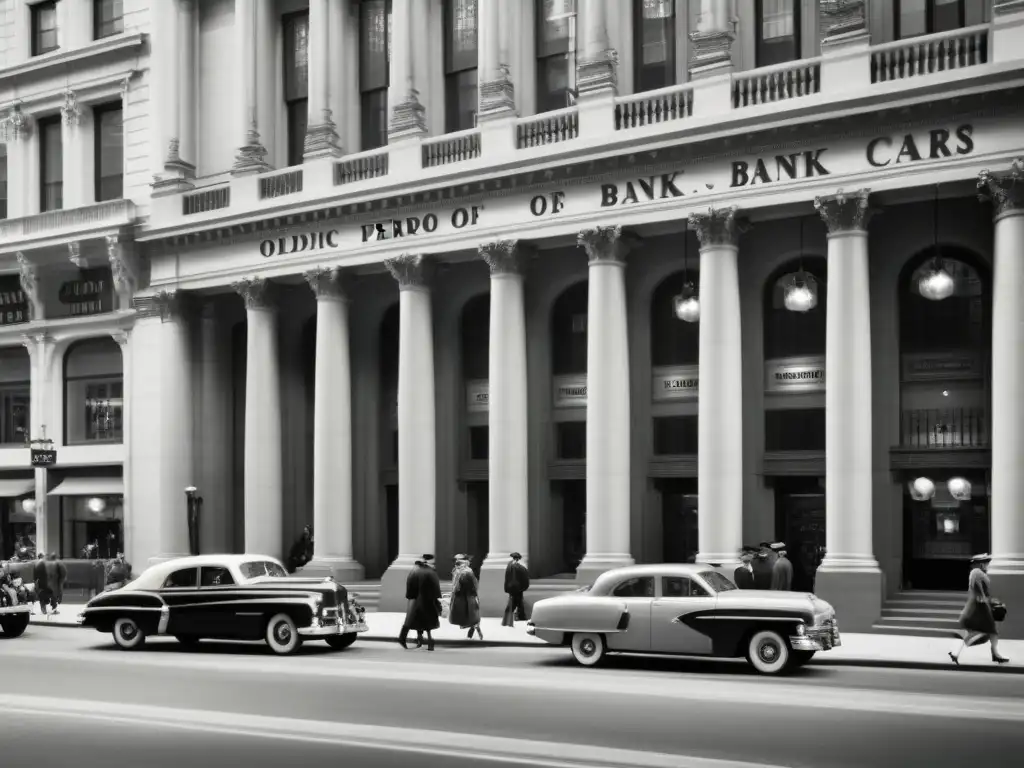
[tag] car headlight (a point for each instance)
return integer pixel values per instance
(801, 629)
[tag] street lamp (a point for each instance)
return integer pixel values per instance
(193, 507)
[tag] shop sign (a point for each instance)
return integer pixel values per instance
(793, 374)
(13, 302)
(89, 295)
(678, 382)
(941, 367)
(478, 396)
(43, 457)
(570, 391)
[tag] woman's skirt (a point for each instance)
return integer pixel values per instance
(977, 617)
(465, 611)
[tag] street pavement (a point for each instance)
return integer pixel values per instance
(71, 698)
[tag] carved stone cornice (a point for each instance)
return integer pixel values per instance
(504, 257)
(408, 118)
(842, 19)
(598, 75)
(1005, 190)
(497, 97)
(171, 305)
(844, 212)
(328, 283)
(718, 227)
(124, 265)
(412, 271)
(255, 292)
(607, 244)
(29, 278)
(711, 52)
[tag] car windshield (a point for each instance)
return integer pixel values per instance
(717, 581)
(259, 568)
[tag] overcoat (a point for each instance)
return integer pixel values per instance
(782, 575)
(465, 606)
(744, 578)
(423, 591)
(977, 613)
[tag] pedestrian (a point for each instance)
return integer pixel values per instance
(782, 570)
(517, 581)
(977, 617)
(464, 610)
(744, 573)
(423, 591)
(50, 576)
(119, 573)
(762, 566)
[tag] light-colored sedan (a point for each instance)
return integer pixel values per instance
(686, 609)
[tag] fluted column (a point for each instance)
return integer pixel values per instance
(41, 349)
(497, 94)
(263, 474)
(608, 443)
(417, 445)
(332, 432)
(597, 67)
(712, 42)
(1006, 190)
(321, 132)
(849, 576)
(508, 483)
(720, 406)
(407, 114)
(251, 157)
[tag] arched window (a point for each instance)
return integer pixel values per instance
(15, 395)
(93, 392)
(789, 333)
(475, 332)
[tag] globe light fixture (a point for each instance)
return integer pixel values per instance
(936, 284)
(799, 297)
(687, 306)
(922, 489)
(28, 506)
(959, 488)
(948, 526)
(96, 505)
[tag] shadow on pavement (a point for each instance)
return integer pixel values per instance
(681, 665)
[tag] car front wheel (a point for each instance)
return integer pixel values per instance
(587, 648)
(282, 634)
(14, 625)
(341, 642)
(127, 634)
(768, 652)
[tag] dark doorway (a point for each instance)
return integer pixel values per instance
(571, 497)
(678, 519)
(477, 530)
(391, 520)
(800, 523)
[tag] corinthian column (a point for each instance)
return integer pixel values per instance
(321, 134)
(416, 425)
(263, 480)
(251, 157)
(848, 577)
(608, 443)
(508, 485)
(720, 406)
(1006, 190)
(596, 71)
(407, 115)
(332, 432)
(497, 94)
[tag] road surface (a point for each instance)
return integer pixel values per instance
(71, 698)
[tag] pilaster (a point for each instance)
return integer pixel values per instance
(321, 134)
(252, 155)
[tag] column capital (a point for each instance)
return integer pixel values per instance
(844, 212)
(15, 124)
(75, 255)
(124, 265)
(171, 305)
(411, 270)
(717, 227)
(327, 283)
(70, 111)
(121, 336)
(408, 117)
(608, 244)
(504, 257)
(33, 341)
(255, 292)
(1005, 190)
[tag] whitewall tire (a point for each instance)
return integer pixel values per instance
(282, 634)
(127, 634)
(768, 652)
(587, 648)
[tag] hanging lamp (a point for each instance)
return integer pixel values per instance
(936, 283)
(801, 290)
(686, 304)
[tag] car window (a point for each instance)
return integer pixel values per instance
(680, 586)
(215, 576)
(186, 577)
(718, 582)
(638, 587)
(259, 568)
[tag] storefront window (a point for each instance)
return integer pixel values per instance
(92, 527)
(94, 392)
(17, 528)
(15, 393)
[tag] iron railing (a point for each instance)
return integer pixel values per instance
(944, 428)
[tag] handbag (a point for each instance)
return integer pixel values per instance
(998, 610)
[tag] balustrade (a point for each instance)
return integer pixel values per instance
(931, 428)
(930, 54)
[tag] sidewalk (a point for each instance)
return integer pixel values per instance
(857, 649)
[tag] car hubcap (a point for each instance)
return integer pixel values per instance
(588, 647)
(127, 631)
(283, 633)
(769, 653)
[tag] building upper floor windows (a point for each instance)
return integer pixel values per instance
(556, 49)
(15, 393)
(374, 71)
(109, 137)
(94, 392)
(927, 17)
(51, 164)
(3, 181)
(778, 31)
(654, 43)
(107, 18)
(296, 82)
(44, 28)
(461, 35)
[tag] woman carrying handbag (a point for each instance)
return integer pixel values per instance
(981, 612)
(464, 611)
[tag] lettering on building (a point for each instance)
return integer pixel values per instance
(570, 391)
(551, 203)
(796, 165)
(410, 226)
(661, 187)
(85, 297)
(478, 396)
(677, 382)
(293, 244)
(13, 307)
(803, 374)
(936, 144)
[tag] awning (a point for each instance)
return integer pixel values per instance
(12, 489)
(90, 486)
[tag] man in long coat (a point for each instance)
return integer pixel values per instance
(762, 565)
(517, 581)
(423, 591)
(782, 571)
(744, 573)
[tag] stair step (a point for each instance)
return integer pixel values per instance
(931, 596)
(913, 631)
(935, 622)
(921, 613)
(907, 603)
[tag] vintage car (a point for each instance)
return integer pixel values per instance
(227, 597)
(15, 603)
(686, 609)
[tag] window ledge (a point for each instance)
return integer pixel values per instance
(39, 66)
(54, 228)
(67, 329)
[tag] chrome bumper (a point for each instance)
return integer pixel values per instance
(318, 630)
(817, 639)
(530, 628)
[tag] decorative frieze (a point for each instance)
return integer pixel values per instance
(718, 227)
(408, 117)
(1006, 189)
(411, 270)
(844, 212)
(255, 292)
(504, 257)
(124, 266)
(327, 283)
(609, 244)
(29, 277)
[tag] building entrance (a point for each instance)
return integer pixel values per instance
(477, 520)
(800, 523)
(571, 497)
(678, 519)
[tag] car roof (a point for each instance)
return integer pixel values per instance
(160, 571)
(652, 569)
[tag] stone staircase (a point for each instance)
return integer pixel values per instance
(369, 591)
(921, 614)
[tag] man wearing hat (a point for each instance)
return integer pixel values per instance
(744, 573)
(423, 591)
(782, 571)
(517, 581)
(762, 564)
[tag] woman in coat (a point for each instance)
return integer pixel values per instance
(423, 592)
(464, 611)
(977, 618)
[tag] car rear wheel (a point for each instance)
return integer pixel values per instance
(768, 652)
(587, 648)
(282, 634)
(127, 634)
(14, 625)
(341, 642)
